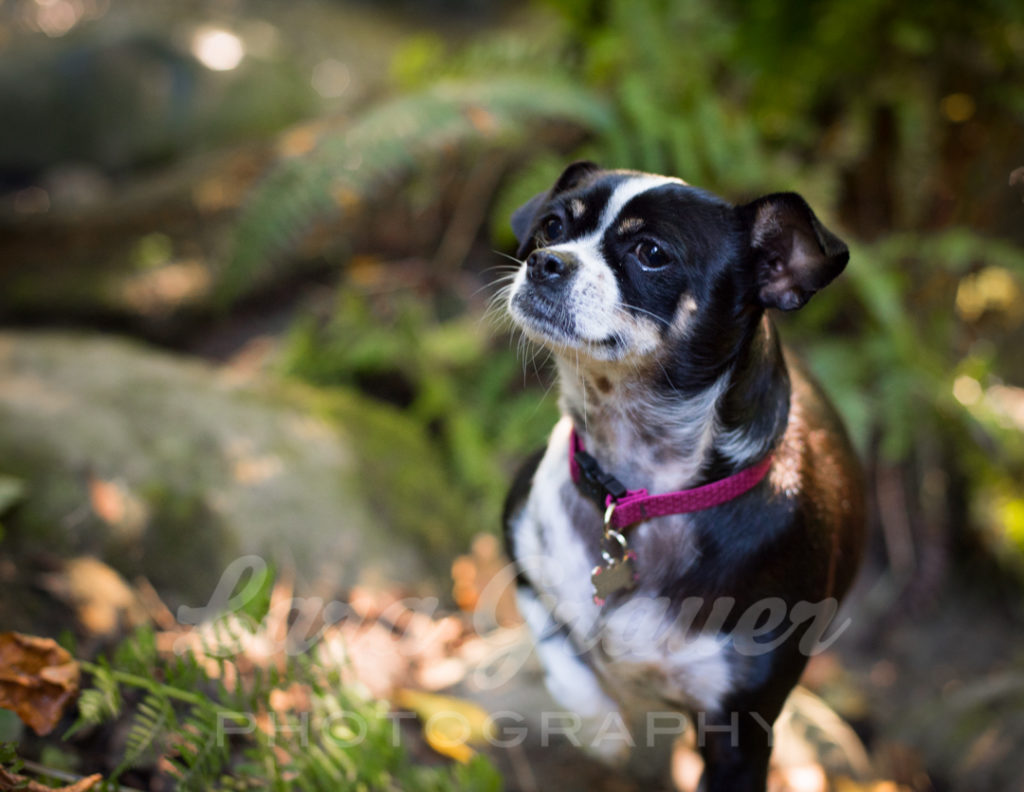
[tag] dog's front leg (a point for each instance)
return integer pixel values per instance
(594, 716)
(736, 747)
(654, 738)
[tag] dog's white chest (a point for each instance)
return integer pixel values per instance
(548, 548)
(640, 654)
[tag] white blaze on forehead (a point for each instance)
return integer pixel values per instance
(627, 191)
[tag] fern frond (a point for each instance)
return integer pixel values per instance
(153, 720)
(107, 686)
(202, 749)
(91, 712)
(207, 735)
(184, 672)
(384, 147)
(100, 703)
(138, 655)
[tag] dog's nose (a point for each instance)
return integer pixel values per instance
(543, 267)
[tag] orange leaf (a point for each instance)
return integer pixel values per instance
(38, 679)
(11, 781)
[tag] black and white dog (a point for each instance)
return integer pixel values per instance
(683, 540)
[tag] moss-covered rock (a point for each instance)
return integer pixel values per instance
(170, 468)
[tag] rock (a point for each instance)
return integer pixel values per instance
(168, 468)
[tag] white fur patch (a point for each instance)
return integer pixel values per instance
(737, 445)
(569, 680)
(648, 660)
(689, 425)
(548, 549)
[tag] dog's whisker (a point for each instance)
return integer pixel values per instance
(503, 266)
(506, 255)
(503, 282)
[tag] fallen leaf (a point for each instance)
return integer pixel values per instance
(103, 602)
(12, 781)
(38, 679)
(484, 581)
(300, 140)
(372, 656)
(117, 505)
(449, 724)
(483, 121)
(844, 784)
(442, 673)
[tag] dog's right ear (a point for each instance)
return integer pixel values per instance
(524, 216)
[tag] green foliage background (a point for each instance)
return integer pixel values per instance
(897, 122)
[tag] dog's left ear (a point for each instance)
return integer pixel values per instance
(522, 218)
(792, 253)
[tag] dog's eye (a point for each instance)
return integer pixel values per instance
(651, 255)
(551, 229)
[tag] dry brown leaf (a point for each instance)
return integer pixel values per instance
(368, 654)
(482, 120)
(12, 781)
(484, 580)
(116, 505)
(153, 605)
(849, 785)
(38, 679)
(103, 602)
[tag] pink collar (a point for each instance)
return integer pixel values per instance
(632, 506)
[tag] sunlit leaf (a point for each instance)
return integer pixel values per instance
(450, 725)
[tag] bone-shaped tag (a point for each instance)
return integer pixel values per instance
(615, 575)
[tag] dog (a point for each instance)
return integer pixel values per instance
(683, 541)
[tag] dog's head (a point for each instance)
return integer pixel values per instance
(626, 267)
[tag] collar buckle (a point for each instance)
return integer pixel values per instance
(596, 483)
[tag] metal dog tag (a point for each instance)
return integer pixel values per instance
(612, 576)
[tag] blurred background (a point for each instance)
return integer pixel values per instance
(246, 255)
